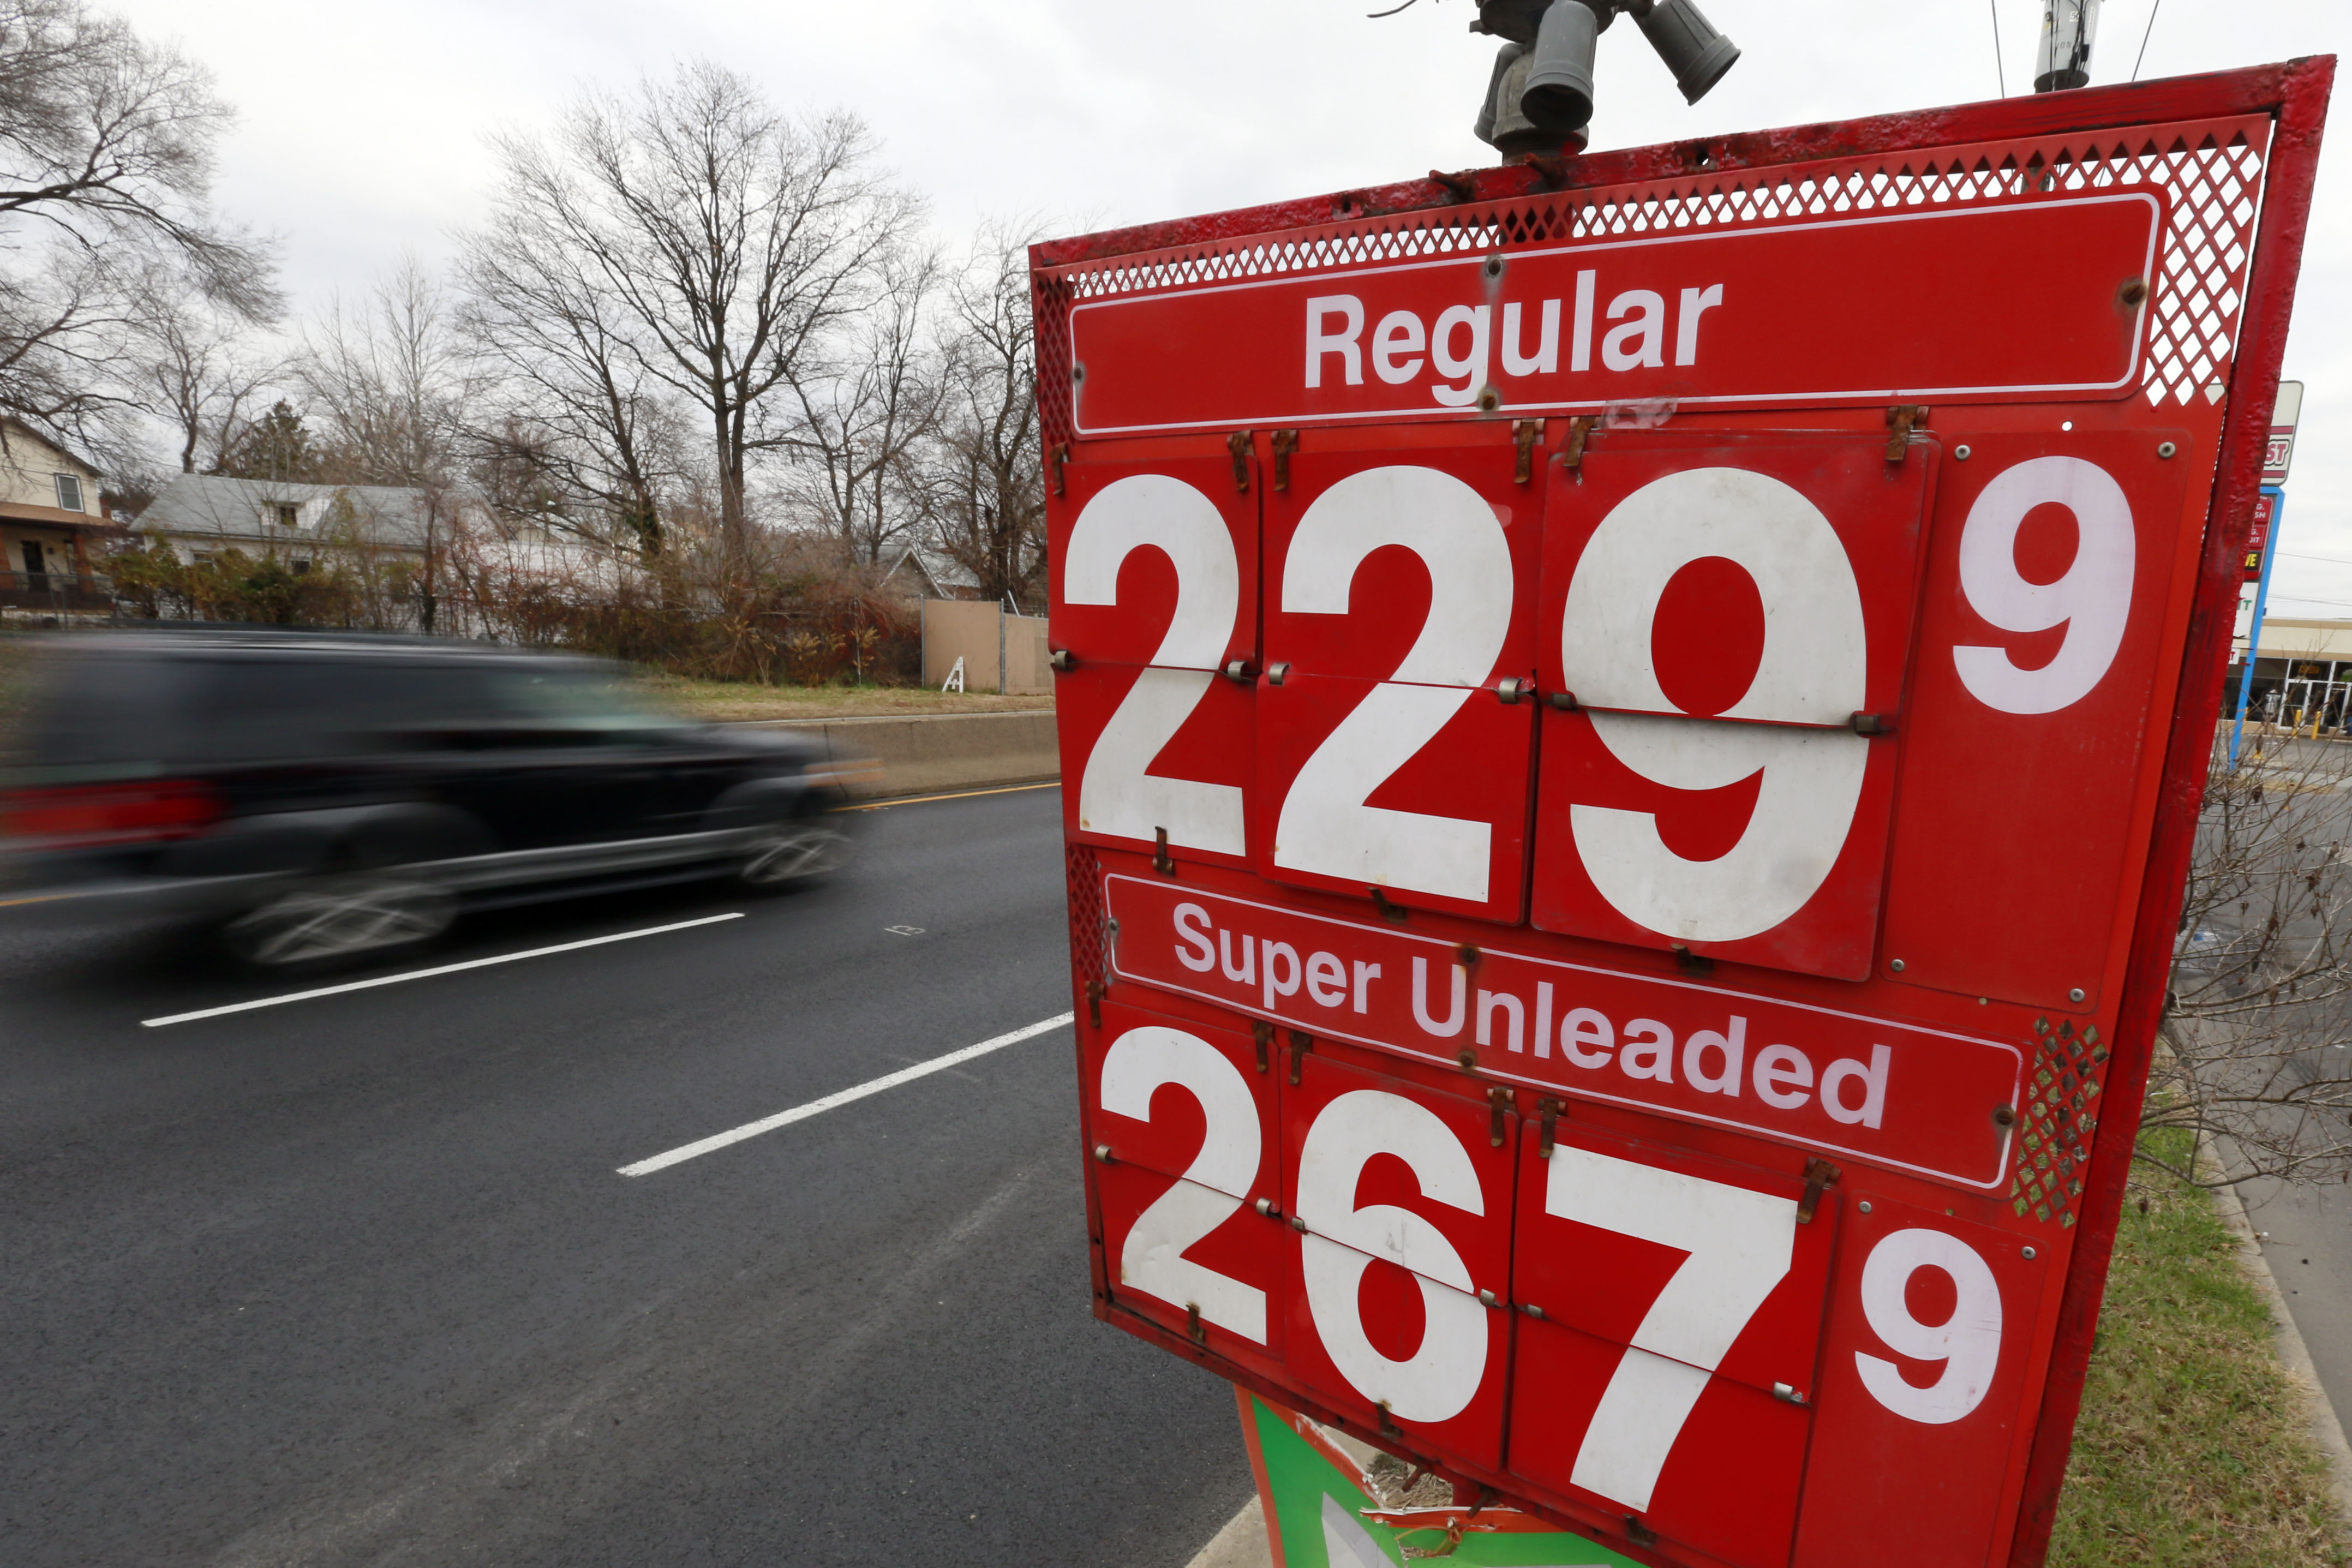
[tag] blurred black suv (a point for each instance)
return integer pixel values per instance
(325, 795)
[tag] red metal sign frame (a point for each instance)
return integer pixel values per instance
(1983, 151)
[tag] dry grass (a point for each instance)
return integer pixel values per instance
(2192, 1450)
(724, 700)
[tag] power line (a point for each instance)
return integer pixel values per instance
(2152, 10)
(2336, 559)
(2001, 73)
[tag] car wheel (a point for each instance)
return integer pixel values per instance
(347, 918)
(786, 854)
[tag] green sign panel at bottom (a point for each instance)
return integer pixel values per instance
(1332, 1507)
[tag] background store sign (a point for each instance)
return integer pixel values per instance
(2258, 538)
(1617, 957)
(2278, 456)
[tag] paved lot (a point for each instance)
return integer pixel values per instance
(355, 1279)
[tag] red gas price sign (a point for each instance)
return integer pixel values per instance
(1621, 872)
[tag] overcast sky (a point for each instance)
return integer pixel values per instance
(363, 126)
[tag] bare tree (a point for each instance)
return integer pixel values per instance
(196, 375)
(987, 489)
(577, 424)
(714, 243)
(105, 156)
(863, 411)
(390, 386)
(387, 381)
(2258, 1031)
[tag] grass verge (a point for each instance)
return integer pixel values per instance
(2192, 1450)
(724, 701)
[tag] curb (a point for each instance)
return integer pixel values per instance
(1243, 1544)
(2326, 1430)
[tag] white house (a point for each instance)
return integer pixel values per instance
(49, 522)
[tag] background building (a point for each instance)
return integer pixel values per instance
(50, 528)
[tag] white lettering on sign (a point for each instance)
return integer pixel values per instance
(1967, 1343)
(1738, 1244)
(1813, 672)
(1825, 1079)
(1438, 1381)
(1117, 793)
(2092, 600)
(1213, 1186)
(1324, 826)
(1742, 314)
(1457, 343)
(1322, 341)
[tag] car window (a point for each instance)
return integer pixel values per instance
(280, 707)
(571, 697)
(138, 712)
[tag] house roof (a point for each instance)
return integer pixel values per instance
(939, 571)
(12, 426)
(209, 506)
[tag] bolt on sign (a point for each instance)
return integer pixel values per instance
(1621, 876)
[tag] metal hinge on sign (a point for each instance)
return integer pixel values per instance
(1872, 724)
(1389, 911)
(1160, 860)
(1499, 1103)
(1240, 446)
(1511, 690)
(1819, 1173)
(1192, 1328)
(1637, 1532)
(1901, 420)
(1055, 459)
(1579, 430)
(1525, 433)
(1264, 1034)
(1063, 660)
(1301, 1042)
(1095, 992)
(1285, 443)
(1550, 1107)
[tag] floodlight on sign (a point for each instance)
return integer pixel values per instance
(1688, 43)
(2068, 29)
(1558, 94)
(1539, 99)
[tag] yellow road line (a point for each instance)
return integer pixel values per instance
(967, 794)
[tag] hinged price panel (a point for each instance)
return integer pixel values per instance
(1727, 624)
(2046, 598)
(1154, 601)
(1397, 641)
(1626, 792)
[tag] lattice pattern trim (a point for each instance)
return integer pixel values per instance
(2211, 171)
(1088, 957)
(2061, 1114)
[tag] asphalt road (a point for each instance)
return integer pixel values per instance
(355, 1279)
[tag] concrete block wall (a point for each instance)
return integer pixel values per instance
(933, 753)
